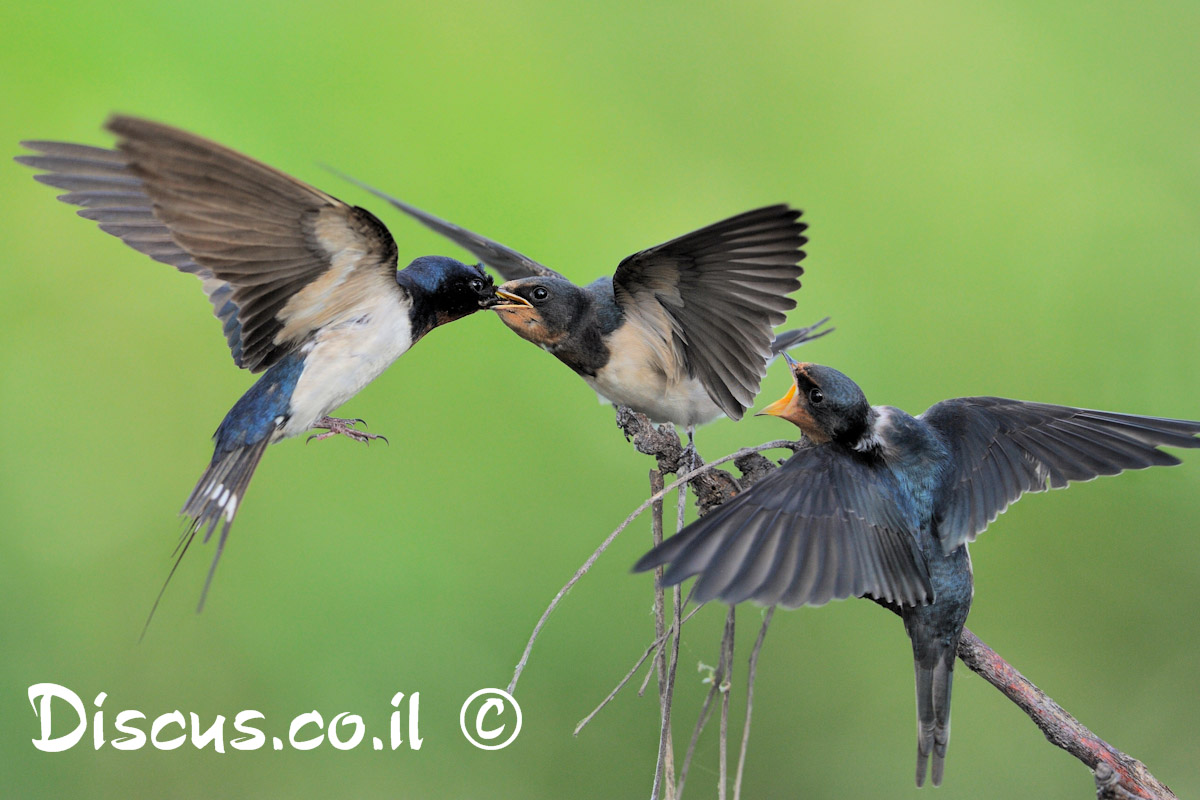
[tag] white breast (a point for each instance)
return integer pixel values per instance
(632, 382)
(644, 374)
(347, 355)
(685, 403)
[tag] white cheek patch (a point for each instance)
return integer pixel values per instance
(876, 436)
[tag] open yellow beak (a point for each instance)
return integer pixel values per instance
(777, 408)
(513, 300)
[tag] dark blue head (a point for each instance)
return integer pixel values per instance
(823, 403)
(443, 290)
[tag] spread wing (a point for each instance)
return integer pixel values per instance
(273, 253)
(823, 526)
(1004, 448)
(716, 295)
(508, 262)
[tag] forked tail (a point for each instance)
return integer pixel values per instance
(793, 338)
(213, 502)
(935, 676)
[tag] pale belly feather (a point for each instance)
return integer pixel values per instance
(684, 402)
(644, 374)
(345, 357)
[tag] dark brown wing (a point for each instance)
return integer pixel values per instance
(721, 291)
(271, 251)
(508, 262)
(1001, 449)
(823, 526)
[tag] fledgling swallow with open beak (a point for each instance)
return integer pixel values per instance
(682, 332)
(305, 286)
(880, 504)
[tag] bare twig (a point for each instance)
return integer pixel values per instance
(646, 680)
(727, 670)
(701, 721)
(1108, 784)
(668, 753)
(664, 772)
(652, 649)
(718, 683)
(779, 444)
(752, 667)
(1062, 729)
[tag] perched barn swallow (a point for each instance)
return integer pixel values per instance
(682, 332)
(305, 285)
(880, 504)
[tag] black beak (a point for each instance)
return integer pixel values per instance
(491, 299)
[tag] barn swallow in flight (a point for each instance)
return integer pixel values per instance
(682, 332)
(305, 285)
(880, 504)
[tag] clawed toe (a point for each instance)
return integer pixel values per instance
(344, 427)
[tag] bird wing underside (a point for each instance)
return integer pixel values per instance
(822, 527)
(273, 253)
(1003, 448)
(508, 262)
(722, 290)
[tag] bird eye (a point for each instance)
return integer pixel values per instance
(815, 397)
(539, 293)
(476, 285)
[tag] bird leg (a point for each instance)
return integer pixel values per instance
(688, 461)
(334, 426)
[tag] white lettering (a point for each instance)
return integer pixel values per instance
(299, 722)
(173, 718)
(256, 739)
(136, 738)
(360, 730)
(46, 692)
(215, 733)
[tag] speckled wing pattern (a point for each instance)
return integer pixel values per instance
(254, 236)
(508, 262)
(722, 290)
(1002, 448)
(823, 526)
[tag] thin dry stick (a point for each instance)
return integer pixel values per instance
(646, 680)
(753, 665)
(720, 683)
(660, 620)
(1062, 729)
(677, 595)
(653, 648)
(727, 668)
(663, 772)
(701, 721)
(676, 627)
(667, 747)
(779, 444)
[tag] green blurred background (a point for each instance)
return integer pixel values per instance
(1004, 198)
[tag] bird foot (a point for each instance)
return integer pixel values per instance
(345, 427)
(689, 459)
